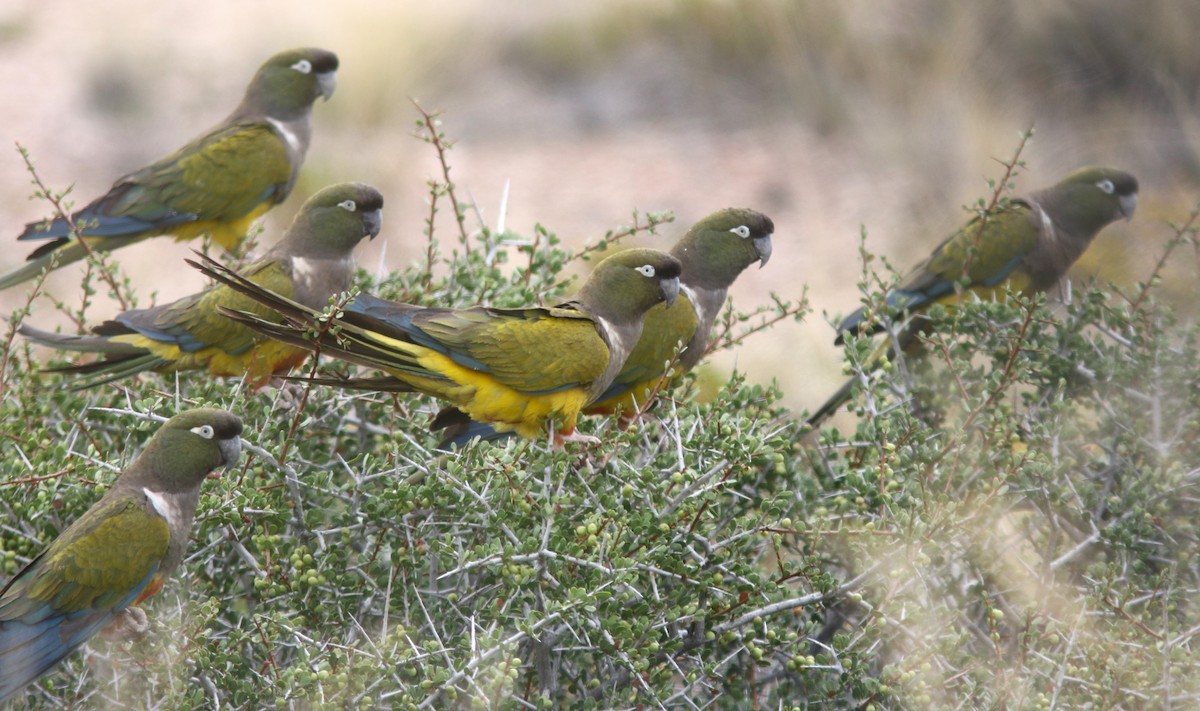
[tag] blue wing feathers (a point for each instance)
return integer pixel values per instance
(33, 643)
(401, 320)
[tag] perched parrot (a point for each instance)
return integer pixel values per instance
(515, 368)
(712, 253)
(1024, 247)
(312, 263)
(118, 553)
(218, 184)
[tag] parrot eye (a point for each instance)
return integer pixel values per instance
(741, 231)
(646, 270)
(1106, 186)
(205, 431)
(348, 205)
(303, 66)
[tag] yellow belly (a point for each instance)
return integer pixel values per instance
(257, 364)
(228, 234)
(485, 399)
(1017, 282)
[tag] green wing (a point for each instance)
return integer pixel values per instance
(529, 350)
(222, 176)
(664, 331)
(103, 560)
(206, 324)
(194, 323)
(1006, 238)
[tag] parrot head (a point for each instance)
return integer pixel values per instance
(625, 285)
(717, 248)
(1090, 198)
(335, 219)
(187, 448)
(289, 82)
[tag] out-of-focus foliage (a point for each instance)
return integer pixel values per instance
(1029, 519)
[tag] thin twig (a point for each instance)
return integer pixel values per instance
(430, 122)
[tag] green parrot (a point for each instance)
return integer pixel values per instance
(1023, 247)
(118, 553)
(312, 263)
(518, 369)
(712, 254)
(218, 184)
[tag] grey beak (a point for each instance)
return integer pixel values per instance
(762, 245)
(670, 290)
(373, 221)
(231, 450)
(1127, 205)
(326, 83)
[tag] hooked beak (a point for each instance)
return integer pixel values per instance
(762, 245)
(372, 222)
(1127, 204)
(230, 450)
(670, 290)
(326, 83)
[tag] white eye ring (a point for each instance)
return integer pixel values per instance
(1106, 185)
(741, 231)
(348, 205)
(646, 270)
(303, 66)
(205, 431)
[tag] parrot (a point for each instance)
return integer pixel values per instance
(519, 369)
(1024, 247)
(713, 252)
(312, 263)
(218, 184)
(120, 552)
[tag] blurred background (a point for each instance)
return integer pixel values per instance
(835, 117)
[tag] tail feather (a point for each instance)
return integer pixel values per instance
(108, 370)
(29, 650)
(120, 360)
(43, 260)
(458, 429)
(79, 343)
(897, 303)
(355, 337)
(902, 341)
(382, 384)
(347, 344)
(831, 405)
(59, 253)
(24, 273)
(302, 326)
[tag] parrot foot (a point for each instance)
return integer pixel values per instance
(128, 625)
(561, 438)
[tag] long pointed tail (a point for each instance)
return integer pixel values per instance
(73, 342)
(49, 260)
(305, 327)
(28, 650)
(835, 401)
(381, 384)
(903, 341)
(120, 360)
(458, 429)
(60, 253)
